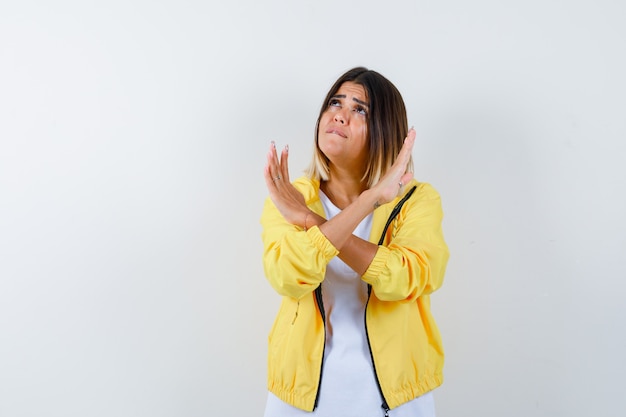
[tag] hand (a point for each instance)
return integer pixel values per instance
(289, 201)
(391, 184)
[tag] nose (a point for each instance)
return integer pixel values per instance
(340, 117)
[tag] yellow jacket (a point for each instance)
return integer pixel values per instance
(404, 340)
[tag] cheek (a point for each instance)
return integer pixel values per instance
(325, 119)
(326, 116)
(362, 130)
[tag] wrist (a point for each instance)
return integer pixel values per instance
(370, 200)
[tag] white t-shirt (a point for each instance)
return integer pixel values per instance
(348, 387)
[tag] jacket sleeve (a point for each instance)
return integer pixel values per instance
(414, 261)
(294, 260)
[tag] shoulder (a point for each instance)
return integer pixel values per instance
(423, 192)
(425, 200)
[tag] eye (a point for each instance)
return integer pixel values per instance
(361, 110)
(333, 102)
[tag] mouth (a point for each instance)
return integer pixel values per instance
(336, 132)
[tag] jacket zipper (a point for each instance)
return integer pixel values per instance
(384, 405)
(392, 216)
(320, 306)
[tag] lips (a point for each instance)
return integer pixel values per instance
(336, 131)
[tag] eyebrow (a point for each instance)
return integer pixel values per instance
(361, 102)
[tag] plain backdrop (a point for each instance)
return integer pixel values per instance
(132, 142)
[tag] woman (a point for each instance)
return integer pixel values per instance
(354, 332)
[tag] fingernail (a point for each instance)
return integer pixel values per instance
(273, 144)
(287, 148)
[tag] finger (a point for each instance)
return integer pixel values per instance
(284, 163)
(406, 178)
(268, 179)
(412, 133)
(273, 164)
(407, 149)
(409, 141)
(270, 165)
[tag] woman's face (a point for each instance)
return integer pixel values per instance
(342, 132)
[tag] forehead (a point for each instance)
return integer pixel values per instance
(352, 90)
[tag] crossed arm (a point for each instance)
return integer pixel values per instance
(355, 252)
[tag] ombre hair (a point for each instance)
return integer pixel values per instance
(386, 126)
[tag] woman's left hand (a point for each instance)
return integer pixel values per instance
(289, 201)
(390, 185)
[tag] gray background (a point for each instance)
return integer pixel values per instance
(132, 142)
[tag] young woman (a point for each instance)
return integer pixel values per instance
(354, 335)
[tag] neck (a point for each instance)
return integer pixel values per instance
(342, 190)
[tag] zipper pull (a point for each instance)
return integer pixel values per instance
(385, 408)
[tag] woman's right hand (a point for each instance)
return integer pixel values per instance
(289, 201)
